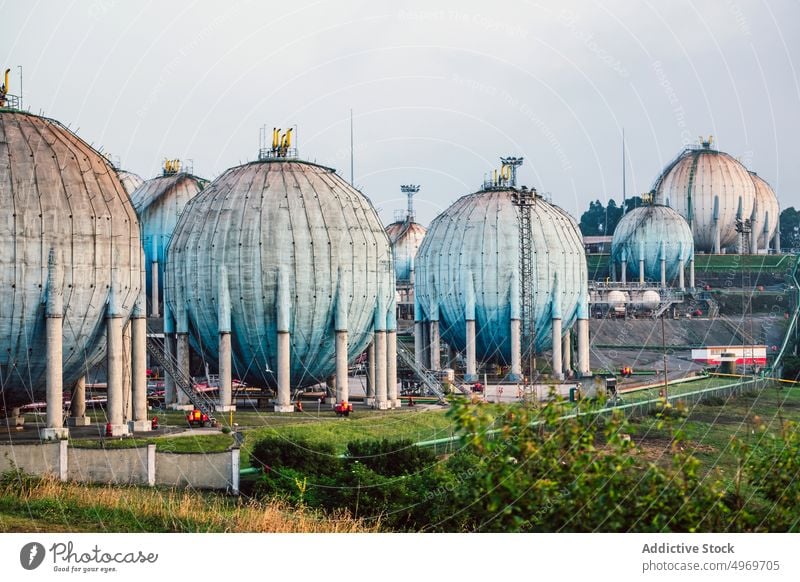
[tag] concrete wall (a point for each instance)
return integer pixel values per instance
(35, 459)
(201, 471)
(139, 466)
(112, 466)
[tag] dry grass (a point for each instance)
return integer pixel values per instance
(133, 509)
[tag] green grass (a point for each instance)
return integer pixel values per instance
(710, 427)
(203, 443)
(394, 425)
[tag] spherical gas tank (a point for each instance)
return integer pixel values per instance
(470, 261)
(281, 235)
(710, 189)
(159, 203)
(617, 298)
(651, 299)
(130, 181)
(652, 233)
(68, 229)
(766, 212)
(405, 236)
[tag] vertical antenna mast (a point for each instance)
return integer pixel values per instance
(351, 147)
(20, 86)
(623, 170)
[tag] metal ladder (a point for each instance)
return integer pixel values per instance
(184, 382)
(428, 378)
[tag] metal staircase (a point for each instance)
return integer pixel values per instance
(428, 378)
(199, 400)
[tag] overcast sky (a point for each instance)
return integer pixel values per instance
(439, 90)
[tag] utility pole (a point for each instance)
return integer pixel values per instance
(664, 350)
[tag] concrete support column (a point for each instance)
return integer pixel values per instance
(426, 345)
(381, 393)
(436, 346)
(452, 357)
(182, 356)
(613, 269)
(284, 402)
(717, 246)
(342, 381)
(154, 298)
(392, 393)
(566, 352)
(624, 272)
(691, 272)
(169, 351)
(225, 363)
(139, 370)
(776, 240)
(663, 272)
(127, 373)
(516, 351)
(558, 364)
(341, 326)
(471, 373)
(77, 414)
(284, 304)
(54, 352)
(681, 269)
(115, 404)
(584, 366)
(370, 399)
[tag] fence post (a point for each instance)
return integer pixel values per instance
(63, 460)
(151, 465)
(235, 471)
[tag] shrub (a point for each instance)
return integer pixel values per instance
(299, 454)
(390, 458)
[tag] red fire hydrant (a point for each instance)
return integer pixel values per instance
(108, 429)
(154, 423)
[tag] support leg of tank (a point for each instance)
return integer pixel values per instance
(471, 374)
(516, 351)
(391, 369)
(419, 345)
(663, 272)
(370, 398)
(169, 383)
(681, 275)
(225, 403)
(115, 404)
(641, 271)
(139, 422)
(691, 273)
(284, 401)
(154, 307)
(557, 366)
(566, 351)
(381, 400)
(55, 390)
(624, 272)
(342, 380)
(584, 366)
(77, 410)
(436, 346)
(127, 373)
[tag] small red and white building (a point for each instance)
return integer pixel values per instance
(713, 355)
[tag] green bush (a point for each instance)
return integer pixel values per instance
(390, 458)
(299, 454)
